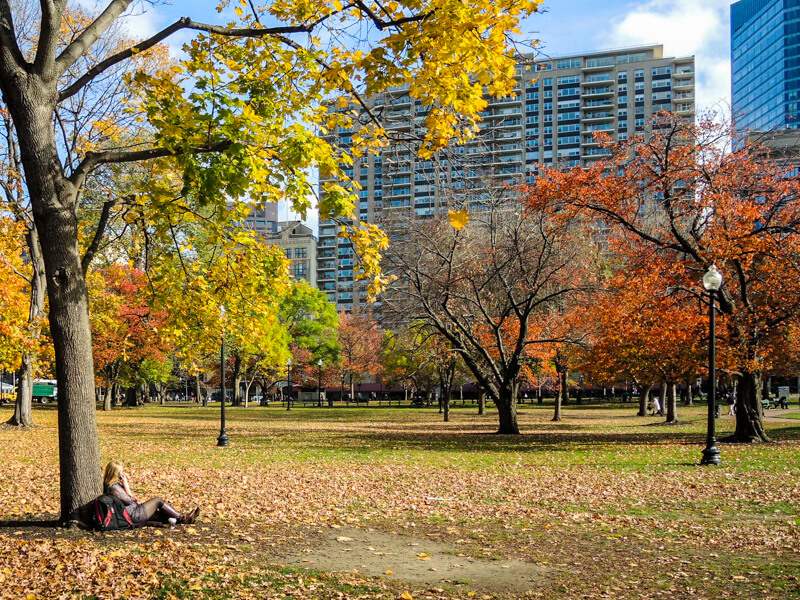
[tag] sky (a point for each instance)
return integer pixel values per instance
(567, 27)
(683, 27)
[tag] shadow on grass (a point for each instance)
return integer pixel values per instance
(17, 523)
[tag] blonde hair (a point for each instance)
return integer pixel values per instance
(113, 471)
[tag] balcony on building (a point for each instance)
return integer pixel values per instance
(600, 103)
(598, 116)
(506, 100)
(592, 65)
(598, 92)
(595, 79)
(683, 83)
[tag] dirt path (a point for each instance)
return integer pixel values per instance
(414, 560)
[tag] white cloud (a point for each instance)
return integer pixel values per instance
(683, 27)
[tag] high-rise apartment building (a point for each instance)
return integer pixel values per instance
(765, 64)
(550, 119)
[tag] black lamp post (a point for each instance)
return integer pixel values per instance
(222, 440)
(341, 388)
(289, 384)
(712, 281)
(319, 382)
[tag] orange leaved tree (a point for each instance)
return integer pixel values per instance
(679, 188)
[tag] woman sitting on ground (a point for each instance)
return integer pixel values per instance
(115, 483)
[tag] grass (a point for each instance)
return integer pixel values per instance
(613, 504)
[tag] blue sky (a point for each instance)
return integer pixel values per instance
(683, 27)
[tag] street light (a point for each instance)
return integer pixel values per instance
(341, 388)
(289, 384)
(712, 281)
(319, 383)
(222, 440)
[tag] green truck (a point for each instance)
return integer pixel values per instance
(45, 390)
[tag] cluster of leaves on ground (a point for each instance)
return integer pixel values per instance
(610, 504)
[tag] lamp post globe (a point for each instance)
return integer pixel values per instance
(712, 282)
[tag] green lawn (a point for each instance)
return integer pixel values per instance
(607, 504)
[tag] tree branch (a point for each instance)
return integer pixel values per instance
(93, 159)
(182, 23)
(89, 36)
(10, 55)
(52, 10)
(91, 251)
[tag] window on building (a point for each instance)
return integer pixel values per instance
(300, 252)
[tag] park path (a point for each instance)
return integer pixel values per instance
(414, 560)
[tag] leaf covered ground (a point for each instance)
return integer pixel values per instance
(392, 503)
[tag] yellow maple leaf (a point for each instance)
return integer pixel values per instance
(458, 218)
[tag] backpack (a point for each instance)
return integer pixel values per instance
(110, 514)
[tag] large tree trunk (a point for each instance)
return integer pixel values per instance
(446, 402)
(644, 397)
(672, 404)
(482, 402)
(53, 199)
(749, 427)
(78, 443)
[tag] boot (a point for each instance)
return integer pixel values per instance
(168, 512)
(192, 516)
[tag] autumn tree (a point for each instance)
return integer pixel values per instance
(128, 344)
(480, 282)
(681, 189)
(360, 340)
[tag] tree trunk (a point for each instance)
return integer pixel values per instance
(561, 395)
(197, 391)
(482, 402)
(688, 392)
(107, 398)
(672, 404)
(446, 401)
(507, 411)
(749, 426)
(644, 398)
(23, 413)
(662, 396)
(237, 380)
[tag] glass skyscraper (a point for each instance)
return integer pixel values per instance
(765, 64)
